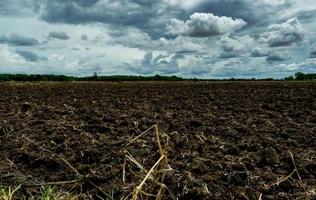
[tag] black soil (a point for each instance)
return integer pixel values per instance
(226, 140)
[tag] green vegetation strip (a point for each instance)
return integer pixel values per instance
(50, 77)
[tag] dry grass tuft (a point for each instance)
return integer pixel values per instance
(151, 181)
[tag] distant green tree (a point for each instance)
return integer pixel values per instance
(289, 78)
(300, 76)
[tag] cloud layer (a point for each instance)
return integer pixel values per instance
(205, 38)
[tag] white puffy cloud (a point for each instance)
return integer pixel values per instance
(11, 62)
(307, 65)
(259, 52)
(180, 45)
(150, 64)
(135, 38)
(204, 25)
(284, 34)
(235, 46)
(131, 37)
(7, 58)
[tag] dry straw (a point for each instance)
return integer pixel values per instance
(151, 184)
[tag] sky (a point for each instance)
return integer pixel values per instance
(191, 38)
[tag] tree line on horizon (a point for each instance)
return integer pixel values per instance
(299, 76)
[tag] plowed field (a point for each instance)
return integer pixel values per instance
(225, 140)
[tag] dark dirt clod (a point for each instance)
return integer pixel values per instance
(25, 106)
(269, 157)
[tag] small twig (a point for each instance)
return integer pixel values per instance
(12, 164)
(260, 196)
(140, 135)
(97, 187)
(124, 170)
(297, 173)
(69, 165)
(98, 197)
(158, 140)
(64, 160)
(130, 157)
(284, 179)
(244, 196)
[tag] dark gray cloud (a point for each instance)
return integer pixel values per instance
(284, 34)
(312, 52)
(305, 15)
(30, 56)
(253, 12)
(3, 39)
(227, 54)
(275, 57)
(204, 25)
(18, 40)
(59, 35)
(136, 13)
(239, 9)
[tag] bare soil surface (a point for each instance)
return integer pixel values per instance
(227, 140)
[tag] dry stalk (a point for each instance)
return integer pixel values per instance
(297, 173)
(124, 171)
(138, 188)
(157, 172)
(284, 179)
(260, 196)
(140, 135)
